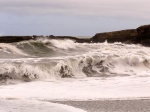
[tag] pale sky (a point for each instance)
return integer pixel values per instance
(71, 17)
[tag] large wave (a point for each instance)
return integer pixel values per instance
(9, 49)
(56, 59)
(41, 47)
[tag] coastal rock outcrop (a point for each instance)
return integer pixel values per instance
(11, 39)
(141, 35)
(126, 36)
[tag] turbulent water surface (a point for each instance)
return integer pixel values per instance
(66, 70)
(52, 59)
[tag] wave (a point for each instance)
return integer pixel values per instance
(60, 43)
(9, 50)
(56, 59)
(94, 65)
(47, 47)
(40, 47)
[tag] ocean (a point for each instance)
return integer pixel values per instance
(64, 70)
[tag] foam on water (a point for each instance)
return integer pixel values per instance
(83, 71)
(44, 47)
(80, 89)
(97, 60)
(62, 44)
(8, 48)
(16, 105)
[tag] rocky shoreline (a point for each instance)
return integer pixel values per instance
(140, 35)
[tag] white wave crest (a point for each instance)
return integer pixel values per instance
(89, 65)
(61, 43)
(102, 60)
(8, 48)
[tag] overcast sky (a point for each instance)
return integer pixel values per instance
(71, 17)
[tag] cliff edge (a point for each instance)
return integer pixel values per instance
(140, 35)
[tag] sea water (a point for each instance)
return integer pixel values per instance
(61, 69)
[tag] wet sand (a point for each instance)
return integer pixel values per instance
(110, 105)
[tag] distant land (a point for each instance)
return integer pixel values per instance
(140, 35)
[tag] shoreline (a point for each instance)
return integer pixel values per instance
(134, 105)
(99, 99)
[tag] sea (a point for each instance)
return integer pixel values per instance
(44, 69)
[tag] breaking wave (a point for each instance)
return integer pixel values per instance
(47, 47)
(55, 59)
(37, 48)
(62, 44)
(10, 49)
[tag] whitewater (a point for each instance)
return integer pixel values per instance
(36, 71)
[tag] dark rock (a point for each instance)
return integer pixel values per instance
(142, 30)
(143, 35)
(11, 39)
(145, 42)
(126, 36)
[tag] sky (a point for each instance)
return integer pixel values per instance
(71, 17)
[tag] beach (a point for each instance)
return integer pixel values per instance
(134, 105)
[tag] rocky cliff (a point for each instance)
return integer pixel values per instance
(126, 36)
(10, 39)
(141, 35)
